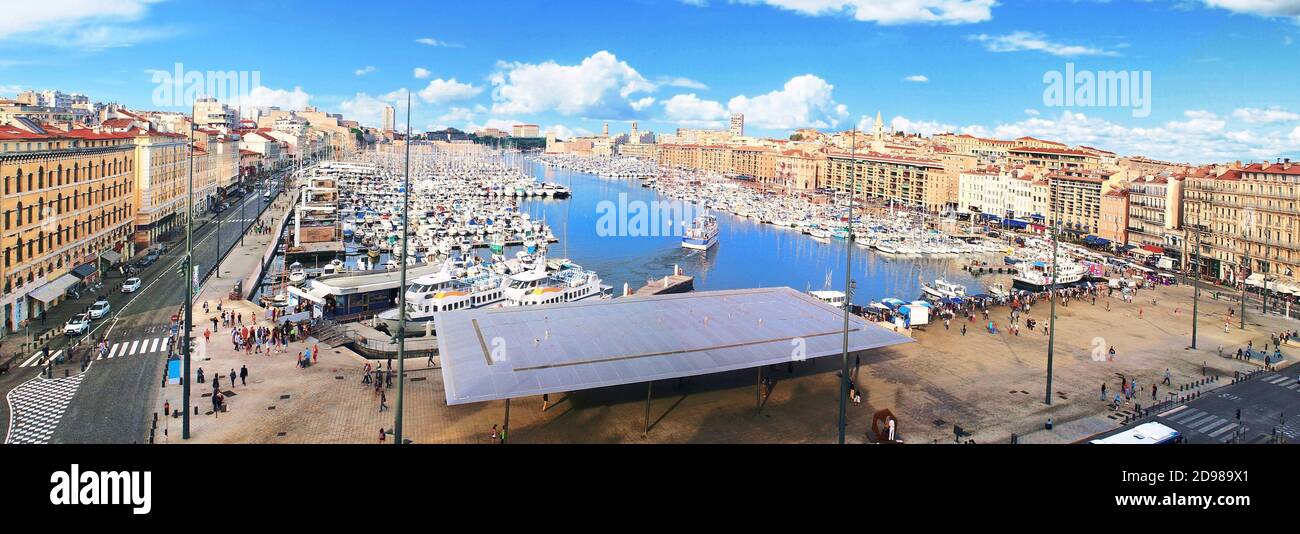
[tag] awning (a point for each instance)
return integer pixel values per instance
(1142, 252)
(1255, 280)
(53, 290)
(1153, 248)
(111, 256)
(82, 271)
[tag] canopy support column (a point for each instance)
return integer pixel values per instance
(505, 429)
(758, 391)
(649, 389)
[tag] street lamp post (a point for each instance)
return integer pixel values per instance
(848, 282)
(1051, 321)
(1196, 284)
(189, 298)
(401, 287)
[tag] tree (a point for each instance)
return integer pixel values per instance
(796, 137)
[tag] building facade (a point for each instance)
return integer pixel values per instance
(69, 211)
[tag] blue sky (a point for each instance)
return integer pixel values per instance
(1223, 72)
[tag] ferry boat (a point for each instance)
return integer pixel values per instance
(442, 292)
(537, 287)
(703, 233)
(942, 289)
(1037, 275)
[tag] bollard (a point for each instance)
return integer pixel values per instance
(196, 410)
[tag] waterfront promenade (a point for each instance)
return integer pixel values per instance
(992, 385)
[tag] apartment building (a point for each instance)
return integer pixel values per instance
(162, 181)
(1155, 212)
(1114, 221)
(799, 170)
(69, 211)
(1075, 201)
(1052, 159)
(1247, 211)
(755, 162)
(907, 181)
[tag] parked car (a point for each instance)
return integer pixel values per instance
(77, 325)
(99, 309)
(148, 259)
(131, 285)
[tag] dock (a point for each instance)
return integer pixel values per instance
(673, 283)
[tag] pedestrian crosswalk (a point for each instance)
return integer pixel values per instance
(1284, 381)
(36, 407)
(135, 347)
(1194, 420)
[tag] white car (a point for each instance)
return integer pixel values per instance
(99, 309)
(131, 285)
(77, 325)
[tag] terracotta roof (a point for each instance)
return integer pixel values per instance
(1291, 169)
(10, 133)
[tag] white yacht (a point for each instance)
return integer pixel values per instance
(703, 233)
(297, 274)
(1037, 275)
(425, 300)
(942, 289)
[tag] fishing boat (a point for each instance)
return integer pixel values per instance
(703, 233)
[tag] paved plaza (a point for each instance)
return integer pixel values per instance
(992, 385)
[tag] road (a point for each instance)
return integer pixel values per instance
(110, 401)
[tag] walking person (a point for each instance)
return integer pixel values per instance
(1167, 380)
(383, 401)
(243, 375)
(233, 376)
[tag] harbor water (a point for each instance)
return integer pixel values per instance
(749, 253)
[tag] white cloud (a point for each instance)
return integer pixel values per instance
(10, 89)
(442, 91)
(457, 115)
(918, 78)
(1264, 116)
(888, 12)
(1020, 41)
(805, 102)
(87, 24)
(369, 110)
(684, 83)
(262, 96)
(903, 124)
(421, 73)
(564, 132)
(642, 104)
(429, 41)
(1031, 112)
(1267, 8)
(690, 110)
(1201, 138)
(600, 86)
(500, 124)
(365, 70)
